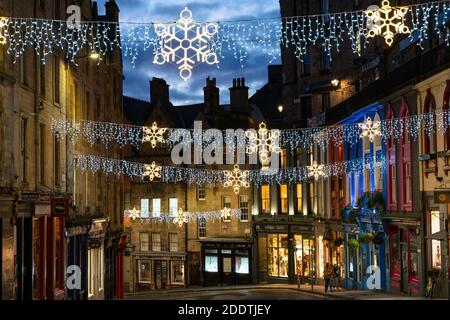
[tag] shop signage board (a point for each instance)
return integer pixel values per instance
(441, 196)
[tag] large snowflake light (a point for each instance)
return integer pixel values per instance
(181, 218)
(225, 213)
(370, 129)
(186, 43)
(386, 21)
(154, 135)
(264, 142)
(152, 171)
(237, 179)
(316, 170)
(133, 214)
(3, 26)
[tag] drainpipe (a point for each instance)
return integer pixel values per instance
(186, 265)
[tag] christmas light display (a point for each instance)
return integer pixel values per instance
(212, 177)
(133, 214)
(154, 135)
(185, 43)
(152, 171)
(214, 41)
(188, 217)
(236, 179)
(181, 218)
(414, 125)
(225, 213)
(316, 170)
(264, 142)
(387, 21)
(370, 129)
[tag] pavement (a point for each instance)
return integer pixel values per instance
(265, 291)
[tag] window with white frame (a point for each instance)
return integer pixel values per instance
(156, 242)
(202, 227)
(144, 241)
(156, 208)
(144, 208)
(173, 207)
(436, 249)
(243, 205)
(173, 242)
(201, 192)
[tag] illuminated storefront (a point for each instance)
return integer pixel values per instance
(227, 262)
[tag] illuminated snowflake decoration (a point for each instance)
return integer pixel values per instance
(154, 135)
(185, 43)
(370, 129)
(225, 213)
(316, 170)
(236, 179)
(181, 218)
(3, 26)
(264, 142)
(386, 21)
(152, 171)
(133, 214)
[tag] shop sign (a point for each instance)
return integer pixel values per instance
(442, 196)
(42, 209)
(60, 207)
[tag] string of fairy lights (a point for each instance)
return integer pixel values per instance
(187, 42)
(262, 140)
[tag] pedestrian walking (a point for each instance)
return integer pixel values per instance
(328, 275)
(336, 278)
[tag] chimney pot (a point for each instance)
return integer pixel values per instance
(239, 82)
(243, 82)
(234, 83)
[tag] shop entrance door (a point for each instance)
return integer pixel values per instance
(160, 274)
(227, 270)
(404, 253)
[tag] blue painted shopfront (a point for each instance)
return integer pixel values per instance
(364, 237)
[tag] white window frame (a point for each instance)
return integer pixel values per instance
(156, 207)
(244, 208)
(145, 208)
(173, 207)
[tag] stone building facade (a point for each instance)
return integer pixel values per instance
(49, 211)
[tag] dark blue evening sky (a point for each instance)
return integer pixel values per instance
(255, 69)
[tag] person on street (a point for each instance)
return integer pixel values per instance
(328, 275)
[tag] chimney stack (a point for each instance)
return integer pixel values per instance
(112, 11)
(211, 95)
(159, 92)
(239, 96)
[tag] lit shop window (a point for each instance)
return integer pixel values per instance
(177, 275)
(436, 249)
(277, 256)
(242, 263)
(305, 256)
(211, 263)
(144, 271)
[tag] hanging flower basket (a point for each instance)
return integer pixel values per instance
(366, 237)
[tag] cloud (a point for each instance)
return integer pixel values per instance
(255, 69)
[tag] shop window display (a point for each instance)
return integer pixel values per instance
(395, 256)
(211, 264)
(305, 256)
(278, 248)
(177, 272)
(242, 265)
(144, 271)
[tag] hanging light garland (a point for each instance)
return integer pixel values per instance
(213, 41)
(237, 179)
(187, 217)
(264, 140)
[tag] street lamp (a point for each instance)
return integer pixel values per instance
(335, 82)
(280, 108)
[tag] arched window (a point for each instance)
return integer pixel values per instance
(391, 165)
(430, 107)
(445, 107)
(406, 162)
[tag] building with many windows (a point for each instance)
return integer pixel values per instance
(52, 216)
